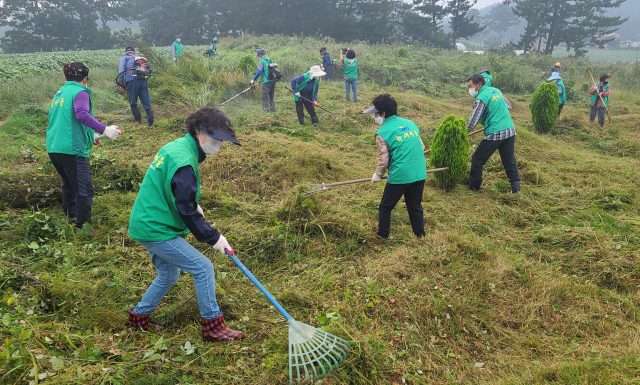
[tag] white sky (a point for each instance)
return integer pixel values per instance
(485, 3)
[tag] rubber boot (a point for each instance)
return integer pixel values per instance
(314, 120)
(301, 120)
(141, 321)
(215, 330)
(150, 117)
(136, 114)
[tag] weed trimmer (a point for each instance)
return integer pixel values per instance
(316, 188)
(600, 96)
(222, 104)
(322, 108)
(471, 133)
(313, 353)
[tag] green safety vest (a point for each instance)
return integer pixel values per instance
(406, 156)
(265, 68)
(563, 95)
(605, 99)
(155, 217)
(178, 48)
(212, 50)
(496, 116)
(65, 133)
(488, 79)
(351, 70)
(307, 78)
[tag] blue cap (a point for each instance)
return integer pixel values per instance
(215, 40)
(129, 49)
(554, 76)
(260, 52)
(221, 134)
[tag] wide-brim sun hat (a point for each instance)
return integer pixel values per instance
(554, 76)
(221, 134)
(316, 72)
(558, 65)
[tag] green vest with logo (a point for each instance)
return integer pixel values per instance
(496, 116)
(307, 78)
(155, 217)
(563, 95)
(65, 133)
(265, 68)
(351, 69)
(605, 99)
(212, 50)
(178, 48)
(488, 79)
(406, 156)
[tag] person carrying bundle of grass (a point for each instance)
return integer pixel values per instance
(167, 209)
(600, 100)
(400, 149)
(491, 109)
(71, 134)
(555, 77)
(350, 73)
(305, 94)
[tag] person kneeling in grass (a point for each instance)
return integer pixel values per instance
(400, 149)
(166, 210)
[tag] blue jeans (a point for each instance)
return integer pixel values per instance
(137, 88)
(353, 83)
(169, 257)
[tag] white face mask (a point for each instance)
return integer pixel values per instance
(379, 120)
(473, 92)
(178, 40)
(211, 146)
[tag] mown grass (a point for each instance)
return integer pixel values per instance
(539, 287)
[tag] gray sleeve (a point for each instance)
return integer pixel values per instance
(173, 50)
(478, 110)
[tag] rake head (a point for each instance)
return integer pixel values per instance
(316, 188)
(313, 353)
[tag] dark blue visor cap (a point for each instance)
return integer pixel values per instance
(221, 134)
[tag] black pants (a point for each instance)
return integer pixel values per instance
(560, 108)
(601, 112)
(77, 188)
(308, 105)
(485, 149)
(329, 72)
(268, 93)
(413, 198)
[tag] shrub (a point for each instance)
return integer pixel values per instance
(402, 52)
(247, 64)
(450, 148)
(544, 107)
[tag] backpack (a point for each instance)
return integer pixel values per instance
(274, 75)
(141, 68)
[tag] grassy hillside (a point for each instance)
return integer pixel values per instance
(538, 287)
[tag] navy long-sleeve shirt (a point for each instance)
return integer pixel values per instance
(326, 60)
(126, 63)
(184, 186)
(308, 88)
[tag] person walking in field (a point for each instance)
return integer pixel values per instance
(166, 210)
(176, 49)
(600, 99)
(305, 94)
(401, 151)
(491, 110)
(70, 136)
(268, 87)
(350, 73)
(488, 79)
(555, 77)
(327, 64)
(136, 87)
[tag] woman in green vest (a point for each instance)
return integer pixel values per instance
(400, 149)
(350, 73)
(176, 49)
(555, 77)
(488, 79)
(166, 210)
(600, 100)
(305, 94)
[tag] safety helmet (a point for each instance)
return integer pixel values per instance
(215, 40)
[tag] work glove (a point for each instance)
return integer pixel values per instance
(375, 178)
(200, 210)
(95, 138)
(297, 94)
(346, 78)
(253, 82)
(112, 132)
(222, 244)
(315, 104)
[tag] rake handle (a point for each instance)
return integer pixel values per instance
(600, 96)
(222, 104)
(322, 108)
(369, 179)
(469, 134)
(255, 281)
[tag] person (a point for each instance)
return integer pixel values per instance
(488, 79)
(600, 99)
(350, 73)
(166, 210)
(327, 64)
(556, 67)
(491, 109)
(136, 88)
(176, 49)
(556, 78)
(305, 94)
(268, 88)
(213, 51)
(70, 137)
(400, 149)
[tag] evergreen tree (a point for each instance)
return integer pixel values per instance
(544, 107)
(423, 23)
(462, 23)
(450, 148)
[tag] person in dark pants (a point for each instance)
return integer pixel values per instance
(600, 100)
(305, 94)
(70, 136)
(562, 91)
(136, 87)
(327, 64)
(491, 109)
(268, 88)
(400, 149)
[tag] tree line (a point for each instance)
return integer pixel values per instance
(50, 25)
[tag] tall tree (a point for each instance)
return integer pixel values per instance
(423, 23)
(500, 19)
(462, 23)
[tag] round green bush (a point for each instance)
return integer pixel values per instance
(544, 107)
(402, 52)
(450, 148)
(247, 64)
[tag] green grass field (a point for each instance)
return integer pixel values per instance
(541, 287)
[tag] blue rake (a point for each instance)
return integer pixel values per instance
(313, 353)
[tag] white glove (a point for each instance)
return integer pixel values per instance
(375, 178)
(95, 138)
(253, 82)
(112, 132)
(297, 94)
(222, 244)
(200, 210)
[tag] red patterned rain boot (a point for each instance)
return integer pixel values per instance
(215, 330)
(141, 321)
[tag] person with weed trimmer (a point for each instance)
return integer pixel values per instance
(305, 93)
(350, 72)
(600, 99)
(71, 134)
(562, 91)
(167, 208)
(491, 109)
(400, 149)
(213, 50)
(327, 64)
(135, 84)
(268, 87)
